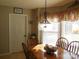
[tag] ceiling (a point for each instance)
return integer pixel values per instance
(31, 4)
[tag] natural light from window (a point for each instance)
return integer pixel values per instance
(50, 34)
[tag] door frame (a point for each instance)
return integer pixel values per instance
(26, 27)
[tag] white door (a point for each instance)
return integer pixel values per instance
(17, 30)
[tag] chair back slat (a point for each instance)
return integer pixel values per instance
(62, 42)
(77, 50)
(73, 47)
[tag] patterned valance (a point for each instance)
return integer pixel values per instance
(66, 15)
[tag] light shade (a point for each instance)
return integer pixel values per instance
(45, 22)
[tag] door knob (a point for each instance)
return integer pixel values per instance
(24, 35)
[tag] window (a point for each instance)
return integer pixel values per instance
(70, 30)
(50, 34)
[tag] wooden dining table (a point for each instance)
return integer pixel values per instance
(40, 53)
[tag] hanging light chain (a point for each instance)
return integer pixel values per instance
(45, 13)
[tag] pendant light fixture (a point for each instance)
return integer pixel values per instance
(45, 21)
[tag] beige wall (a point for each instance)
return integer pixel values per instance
(4, 47)
(4, 27)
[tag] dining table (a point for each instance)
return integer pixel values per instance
(60, 53)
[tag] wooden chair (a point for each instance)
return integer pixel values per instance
(62, 42)
(27, 52)
(25, 49)
(31, 43)
(73, 47)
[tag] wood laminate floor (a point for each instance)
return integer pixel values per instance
(18, 55)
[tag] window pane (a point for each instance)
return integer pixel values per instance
(70, 30)
(50, 38)
(50, 33)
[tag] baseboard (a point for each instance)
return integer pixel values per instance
(3, 54)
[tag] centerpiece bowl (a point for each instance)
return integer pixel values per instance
(50, 49)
